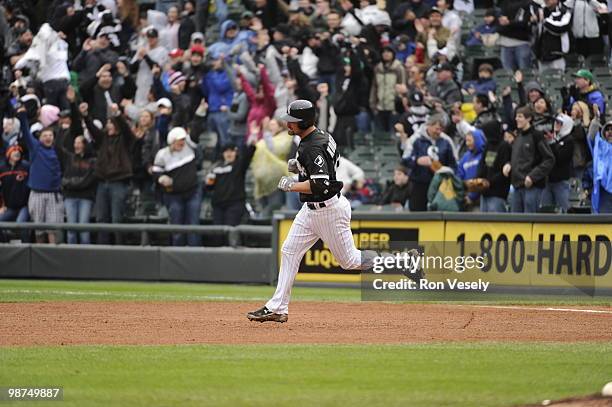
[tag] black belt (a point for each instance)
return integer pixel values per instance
(319, 205)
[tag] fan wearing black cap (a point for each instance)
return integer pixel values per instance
(227, 179)
(153, 54)
(325, 215)
(445, 87)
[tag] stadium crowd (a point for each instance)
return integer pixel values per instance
(435, 105)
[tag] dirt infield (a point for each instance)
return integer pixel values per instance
(137, 323)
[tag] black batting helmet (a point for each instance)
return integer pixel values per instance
(302, 112)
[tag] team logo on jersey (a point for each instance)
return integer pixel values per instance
(319, 161)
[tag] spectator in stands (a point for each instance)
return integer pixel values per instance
(406, 14)
(515, 34)
(450, 19)
(318, 19)
(414, 116)
(100, 91)
(227, 179)
(50, 52)
(404, 47)
(495, 186)
(187, 25)
(486, 33)
(113, 168)
(349, 83)
(445, 87)
(397, 194)
(96, 53)
(20, 45)
(148, 55)
(349, 173)
(543, 119)
(388, 73)
(45, 203)
(237, 114)
(182, 112)
(175, 169)
(553, 40)
(11, 130)
(581, 116)
(154, 133)
(218, 91)
(169, 35)
(585, 25)
(601, 148)
(269, 164)
(230, 37)
(485, 82)
(530, 93)
(430, 151)
(14, 190)
(435, 37)
(416, 77)
(467, 168)
(78, 184)
(270, 12)
(557, 190)
(532, 160)
(261, 100)
(585, 90)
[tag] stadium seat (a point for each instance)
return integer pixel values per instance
(597, 60)
(573, 62)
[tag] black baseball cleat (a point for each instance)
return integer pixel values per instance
(263, 315)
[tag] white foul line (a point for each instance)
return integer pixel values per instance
(590, 311)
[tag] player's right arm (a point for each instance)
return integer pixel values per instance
(288, 184)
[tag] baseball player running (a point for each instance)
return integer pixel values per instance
(326, 214)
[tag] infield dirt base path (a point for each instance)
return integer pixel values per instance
(152, 323)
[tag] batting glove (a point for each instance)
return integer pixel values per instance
(292, 166)
(285, 184)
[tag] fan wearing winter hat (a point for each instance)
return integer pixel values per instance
(557, 190)
(175, 170)
(181, 102)
(14, 190)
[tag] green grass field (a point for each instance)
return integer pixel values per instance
(475, 374)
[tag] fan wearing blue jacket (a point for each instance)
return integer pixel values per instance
(45, 204)
(218, 90)
(468, 164)
(601, 148)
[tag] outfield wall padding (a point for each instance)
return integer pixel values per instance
(15, 261)
(95, 262)
(145, 263)
(219, 265)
